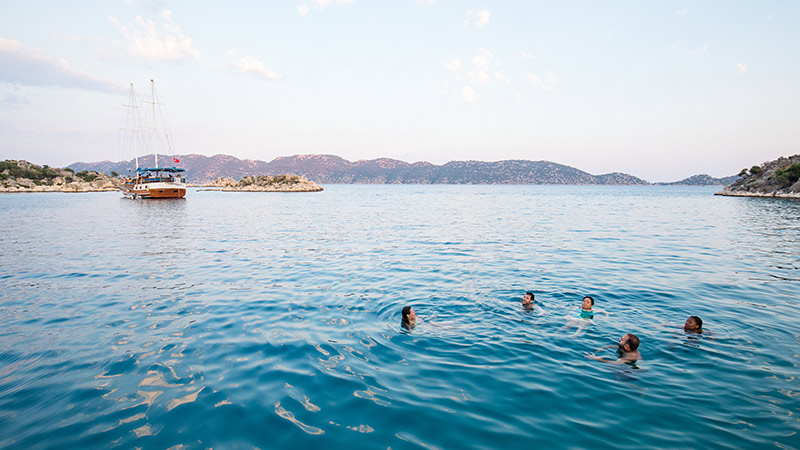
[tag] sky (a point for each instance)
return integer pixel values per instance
(657, 89)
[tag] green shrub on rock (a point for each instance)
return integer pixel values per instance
(87, 176)
(788, 175)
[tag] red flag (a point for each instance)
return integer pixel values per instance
(176, 160)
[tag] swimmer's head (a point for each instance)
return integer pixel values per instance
(527, 300)
(629, 342)
(693, 324)
(587, 303)
(409, 317)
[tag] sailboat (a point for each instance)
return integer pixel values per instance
(155, 181)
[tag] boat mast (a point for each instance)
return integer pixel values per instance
(153, 94)
(133, 130)
(135, 138)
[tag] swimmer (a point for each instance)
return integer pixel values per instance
(584, 315)
(587, 310)
(528, 301)
(693, 324)
(627, 351)
(409, 320)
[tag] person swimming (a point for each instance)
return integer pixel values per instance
(627, 351)
(528, 301)
(584, 315)
(693, 324)
(409, 318)
(586, 308)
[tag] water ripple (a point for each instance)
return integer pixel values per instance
(273, 321)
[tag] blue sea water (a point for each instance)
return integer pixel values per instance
(270, 320)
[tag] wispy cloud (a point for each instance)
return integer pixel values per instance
(704, 48)
(478, 18)
(501, 77)
(482, 60)
(251, 66)
(454, 65)
(303, 9)
(742, 68)
(482, 69)
(681, 12)
(529, 56)
(14, 100)
(25, 66)
(545, 82)
(480, 64)
(162, 41)
(468, 94)
(320, 5)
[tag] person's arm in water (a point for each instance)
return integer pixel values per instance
(591, 355)
(597, 358)
(624, 359)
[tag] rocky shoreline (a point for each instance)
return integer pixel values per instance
(17, 176)
(262, 183)
(774, 179)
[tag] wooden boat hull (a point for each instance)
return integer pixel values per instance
(154, 190)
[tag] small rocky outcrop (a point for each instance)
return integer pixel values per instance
(702, 180)
(23, 176)
(263, 183)
(779, 178)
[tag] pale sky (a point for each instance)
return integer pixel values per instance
(658, 89)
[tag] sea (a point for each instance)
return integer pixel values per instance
(273, 320)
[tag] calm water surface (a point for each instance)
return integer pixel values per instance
(241, 320)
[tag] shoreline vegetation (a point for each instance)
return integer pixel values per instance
(18, 176)
(779, 178)
(263, 183)
(23, 176)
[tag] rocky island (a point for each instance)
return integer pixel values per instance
(23, 176)
(779, 178)
(263, 183)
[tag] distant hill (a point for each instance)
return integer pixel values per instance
(703, 180)
(778, 178)
(331, 169)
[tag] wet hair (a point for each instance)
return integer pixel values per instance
(696, 320)
(533, 297)
(590, 299)
(406, 310)
(632, 342)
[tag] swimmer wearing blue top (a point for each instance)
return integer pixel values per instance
(584, 315)
(586, 311)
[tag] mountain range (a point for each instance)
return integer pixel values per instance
(331, 169)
